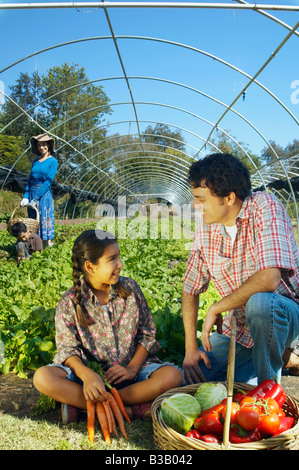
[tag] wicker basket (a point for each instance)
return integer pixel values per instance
(31, 224)
(168, 439)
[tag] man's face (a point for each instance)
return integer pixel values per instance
(214, 209)
(24, 236)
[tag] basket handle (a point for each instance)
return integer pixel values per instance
(230, 380)
(18, 207)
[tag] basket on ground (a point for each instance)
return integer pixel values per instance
(167, 438)
(31, 224)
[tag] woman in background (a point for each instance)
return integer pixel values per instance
(38, 190)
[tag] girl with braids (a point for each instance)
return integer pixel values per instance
(105, 318)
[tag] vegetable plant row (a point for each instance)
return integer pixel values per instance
(29, 294)
(255, 415)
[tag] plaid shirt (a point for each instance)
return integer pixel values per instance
(265, 239)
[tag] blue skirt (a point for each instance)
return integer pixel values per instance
(46, 213)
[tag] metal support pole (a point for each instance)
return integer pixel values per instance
(108, 4)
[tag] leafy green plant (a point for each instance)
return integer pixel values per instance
(29, 294)
(30, 343)
(43, 405)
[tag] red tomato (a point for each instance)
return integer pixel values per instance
(193, 433)
(281, 413)
(248, 418)
(269, 424)
(270, 405)
(247, 401)
(234, 411)
(251, 402)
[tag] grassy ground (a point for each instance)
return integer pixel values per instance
(34, 434)
(29, 422)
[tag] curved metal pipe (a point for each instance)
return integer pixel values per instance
(98, 182)
(157, 40)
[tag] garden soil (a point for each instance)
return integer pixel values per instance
(18, 397)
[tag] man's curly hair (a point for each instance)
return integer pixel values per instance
(222, 173)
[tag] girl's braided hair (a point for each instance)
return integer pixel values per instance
(90, 245)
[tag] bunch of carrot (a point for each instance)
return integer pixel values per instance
(108, 413)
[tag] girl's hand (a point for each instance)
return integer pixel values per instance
(118, 374)
(93, 387)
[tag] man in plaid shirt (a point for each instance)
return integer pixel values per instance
(246, 246)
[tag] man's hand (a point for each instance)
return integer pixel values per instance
(191, 368)
(210, 320)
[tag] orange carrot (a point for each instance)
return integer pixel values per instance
(118, 416)
(101, 414)
(110, 417)
(119, 401)
(91, 409)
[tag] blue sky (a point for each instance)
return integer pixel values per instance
(244, 39)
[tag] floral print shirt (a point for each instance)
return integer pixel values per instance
(113, 336)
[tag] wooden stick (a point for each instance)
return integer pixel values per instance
(230, 380)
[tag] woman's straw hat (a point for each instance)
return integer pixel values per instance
(42, 138)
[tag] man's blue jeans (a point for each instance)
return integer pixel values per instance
(274, 324)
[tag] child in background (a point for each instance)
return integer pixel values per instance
(28, 242)
(104, 317)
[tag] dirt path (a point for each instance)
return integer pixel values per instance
(18, 397)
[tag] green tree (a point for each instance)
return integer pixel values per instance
(63, 102)
(74, 109)
(73, 105)
(238, 149)
(10, 147)
(162, 135)
(25, 95)
(291, 149)
(269, 155)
